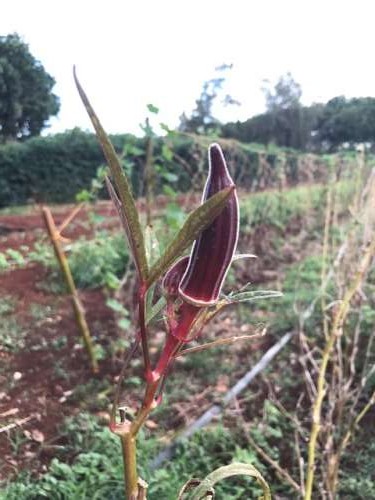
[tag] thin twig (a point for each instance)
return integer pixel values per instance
(282, 472)
(17, 423)
(215, 343)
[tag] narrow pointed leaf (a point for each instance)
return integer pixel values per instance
(155, 309)
(240, 256)
(254, 295)
(196, 222)
(152, 245)
(234, 469)
(128, 208)
(152, 253)
(120, 210)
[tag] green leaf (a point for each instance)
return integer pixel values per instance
(153, 253)
(169, 191)
(196, 222)
(124, 323)
(116, 306)
(155, 309)
(169, 176)
(3, 261)
(205, 487)
(153, 109)
(166, 153)
(127, 207)
(83, 195)
(152, 245)
(15, 255)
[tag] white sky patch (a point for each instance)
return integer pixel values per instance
(131, 53)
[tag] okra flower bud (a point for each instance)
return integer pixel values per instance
(213, 251)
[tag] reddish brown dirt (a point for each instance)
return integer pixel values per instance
(36, 380)
(31, 384)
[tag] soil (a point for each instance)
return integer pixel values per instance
(38, 379)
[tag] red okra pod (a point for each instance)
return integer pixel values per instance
(213, 251)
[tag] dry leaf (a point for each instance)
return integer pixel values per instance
(150, 424)
(9, 413)
(37, 436)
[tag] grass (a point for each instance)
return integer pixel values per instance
(96, 472)
(277, 208)
(12, 335)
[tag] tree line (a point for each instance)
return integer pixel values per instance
(339, 123)
(27, 102)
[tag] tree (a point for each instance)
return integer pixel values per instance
(285, 123)
(350, 121)
(285, 95)
(26, 98)
(284, 107)
(202, 120)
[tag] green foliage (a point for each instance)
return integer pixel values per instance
(12, 335)
(49, 169)
(277, 209)
(56, 168)
(26, 98)
(97, 472)
(286, 122)
(93, 263)
(357, 480)
(11, 257)
(98, 262)
(347, 121)
(118, 307)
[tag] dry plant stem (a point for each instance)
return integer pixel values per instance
(356, 421)
(282, 472)
(327, 225)
(218, 342)
(344, 443)
(70, 217)
(336, 330)
(78, 308)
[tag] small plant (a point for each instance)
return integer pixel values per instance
(191, 286)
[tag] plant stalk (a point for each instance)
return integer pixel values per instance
(129, 456)
(65, 269)
(335, 331)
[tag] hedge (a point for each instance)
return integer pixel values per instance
(56, 168)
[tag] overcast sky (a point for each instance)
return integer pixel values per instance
(131, 53)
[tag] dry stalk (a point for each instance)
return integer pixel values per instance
(283, 473)
(335, 331)
(65, 269)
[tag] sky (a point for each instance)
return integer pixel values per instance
(132, 53)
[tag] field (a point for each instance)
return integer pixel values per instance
(60, 446)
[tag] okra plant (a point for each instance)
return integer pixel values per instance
(191, 287)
